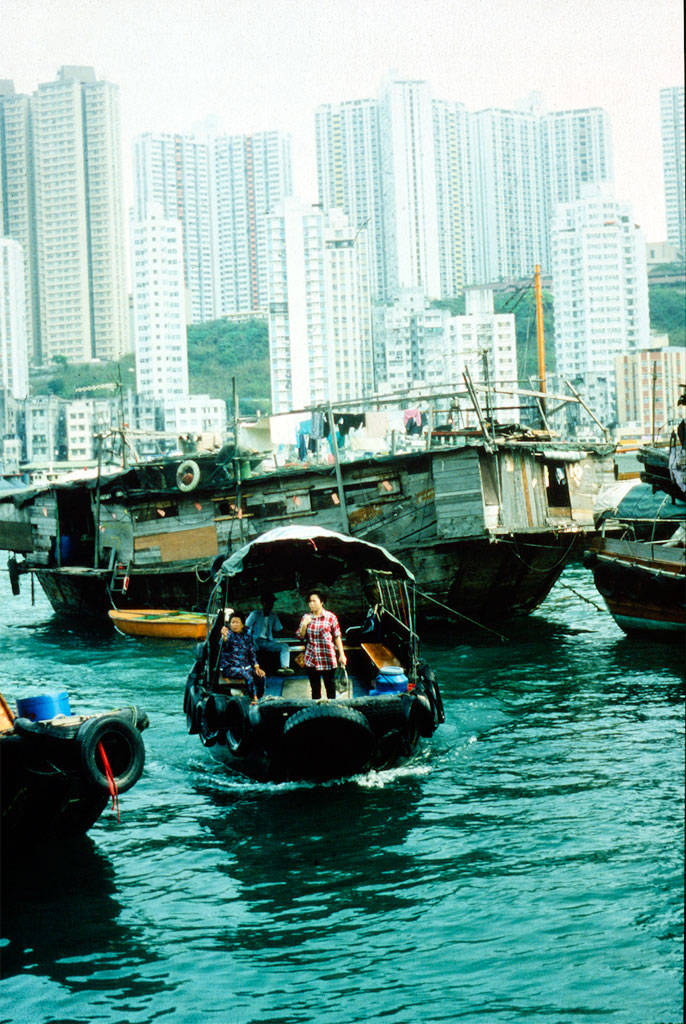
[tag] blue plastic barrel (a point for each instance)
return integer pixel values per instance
(44, 707)
(391, 679)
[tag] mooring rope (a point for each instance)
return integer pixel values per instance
(459, 615)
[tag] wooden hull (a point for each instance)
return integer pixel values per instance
(52, 785)
(642, 584)
(165, 624)
(487, 533)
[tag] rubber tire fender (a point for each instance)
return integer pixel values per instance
(192, 467)
(420, 715)
(238, 726)
(13, 570)
(126, 754)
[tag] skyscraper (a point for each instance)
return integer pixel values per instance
(159, 306)
(18, 199)
(508, 195)
(14, 362)
(252, 174)
(600, 288)
(349, 173)
(319, 307)
(68, 213)
(174, 171)
(672, 120)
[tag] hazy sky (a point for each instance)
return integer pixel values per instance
(264, 64)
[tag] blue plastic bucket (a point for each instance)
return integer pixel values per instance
(390, 680)
(40, 709)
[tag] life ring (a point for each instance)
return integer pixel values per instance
(124, 748)
(188, 475)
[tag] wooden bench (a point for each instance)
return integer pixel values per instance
(381, 656)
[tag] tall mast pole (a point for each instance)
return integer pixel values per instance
(539, 333)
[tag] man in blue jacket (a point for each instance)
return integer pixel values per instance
(262, 625)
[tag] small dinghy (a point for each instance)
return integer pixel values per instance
(59, 770)
(160, 622)
(387, 699)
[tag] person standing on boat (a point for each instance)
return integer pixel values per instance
(238, 659)
(262, 625)
(322, 633)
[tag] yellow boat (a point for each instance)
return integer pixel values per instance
(160, 622)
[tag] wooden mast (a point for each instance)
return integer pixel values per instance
(540, 333)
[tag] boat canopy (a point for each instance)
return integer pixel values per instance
(285, 554)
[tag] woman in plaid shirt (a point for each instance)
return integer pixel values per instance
(324, 638)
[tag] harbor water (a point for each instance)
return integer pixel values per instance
(528, 866)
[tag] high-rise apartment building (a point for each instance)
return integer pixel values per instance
(68, 213)
(672, 121)
(600, 288)
(251, 175)
(349, 173)
(508, 194)
(159, 306)
(319, 307)
(453, 197)
(408, 187)
(18, 198)
(14, 361)
(174, 172)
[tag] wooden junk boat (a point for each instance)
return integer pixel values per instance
(391, 698)
(60, 770)
(638, 557)
(486, 519)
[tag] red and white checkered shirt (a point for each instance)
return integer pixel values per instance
(320, 651)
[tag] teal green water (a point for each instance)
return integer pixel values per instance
(527, 867)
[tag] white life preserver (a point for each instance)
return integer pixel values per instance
(186, 469)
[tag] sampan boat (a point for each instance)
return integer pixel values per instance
(58, 770)
(388, 698)
(166, 624)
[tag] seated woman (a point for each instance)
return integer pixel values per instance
(237, 659)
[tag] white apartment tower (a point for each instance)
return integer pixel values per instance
(319, 307)
(672, 119)
(408, 187)
(174, 172)
(508, 194)
(349, 173)
(159, 306)
(14, 357)
(600, 288)
(68, 213)
(251, 175)
(18, 198)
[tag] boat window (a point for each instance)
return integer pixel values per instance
(160, 510)
(324, 499)
(557, 486)
(227, 507)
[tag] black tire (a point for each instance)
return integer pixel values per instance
(186, 468)
(13, 570)
(421, 716)
(122, 744)
(427, 682)
(327, 741)
(238, 728)
(211, 715)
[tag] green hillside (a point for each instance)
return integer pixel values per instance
(219, 351)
